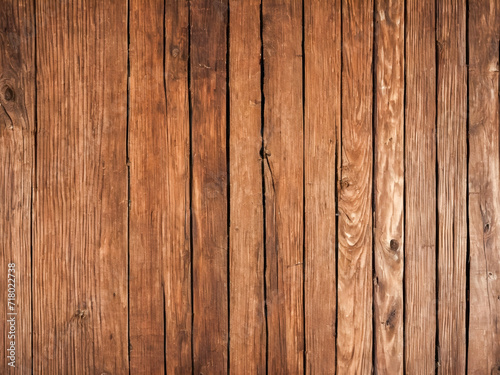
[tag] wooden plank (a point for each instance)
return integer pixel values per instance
(283, 173)
(322, 124)
(80, 208)
(452, 184)
(484, 188)
(247, 315)
(420, 183)
(354, 340)
(389, 186)
(209, 190)
(17, 127)
(160, 286)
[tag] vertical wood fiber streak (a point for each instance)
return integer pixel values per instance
(484, 187)
(389, 186)
(247, 319)
(80, 208)
(209, 191)
(420, 182)
(283, 172)
(452, 184)
(17, 127)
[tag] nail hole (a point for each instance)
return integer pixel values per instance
(394, 245)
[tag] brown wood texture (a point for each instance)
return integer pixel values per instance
(247, 314)
(208, 52)
(80, 201)
(484, 188)
(389, 186)
(283, 173)
(354, 336)
(17, 145)
(420, 186)
(452, 184)
(322, 125)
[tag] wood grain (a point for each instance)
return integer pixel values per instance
(354, 340)
(484, 188)
(420, 184)
(80, 208)
(247, 315)
(209, 190)
(283, 173)
(17, 141)
(322, 125)
(389, 186)
(452, 184)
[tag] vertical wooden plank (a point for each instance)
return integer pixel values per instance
(283, 173)
(354, 340)
(452, 184)
(160, 287)
(80, 243)
(247, 319)
(17, 126)
(420, 181)
(484, 187)
(209, 190)
(322, 123)
(389, 186)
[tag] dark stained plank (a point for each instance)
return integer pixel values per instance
(389, 186)
(247, 319)
(17, 128)
(283, 173)
(484, 187)
(160, 286)
(209, 190)
(420, 184)
(80, 209)
(452, 184)
(354, 336)
(321, 124)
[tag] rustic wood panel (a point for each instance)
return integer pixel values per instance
(389, 186)
(283, 172)
(209, 190)
(17, 128)
(247, 315)
(420, 186)
(80, 208)
(354, 340)
(484, 188)
(452, 184)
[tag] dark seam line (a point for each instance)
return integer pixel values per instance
(304, 353)
(436, 161)
(404, 183)
(228, 188)
(34, 181)
(467, 260)
(374, 123)
(127, 162)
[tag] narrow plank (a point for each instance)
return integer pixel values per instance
(283, 173)
(420, 183)
(452, 184)
(209, 190)
(389, 186)
(17, 127)
(321, 124)
(484, 187)
(80, 209)
(247, 316)
(160, 288)
(354, 340)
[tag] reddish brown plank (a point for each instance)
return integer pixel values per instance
(17, 128)
(484, 187)
(354, 337)
(420, 184)
(209, 190)
(322, 124)
(389, 186)
(452, 184)
(283, 173)
(247, 324)
(80, 208)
